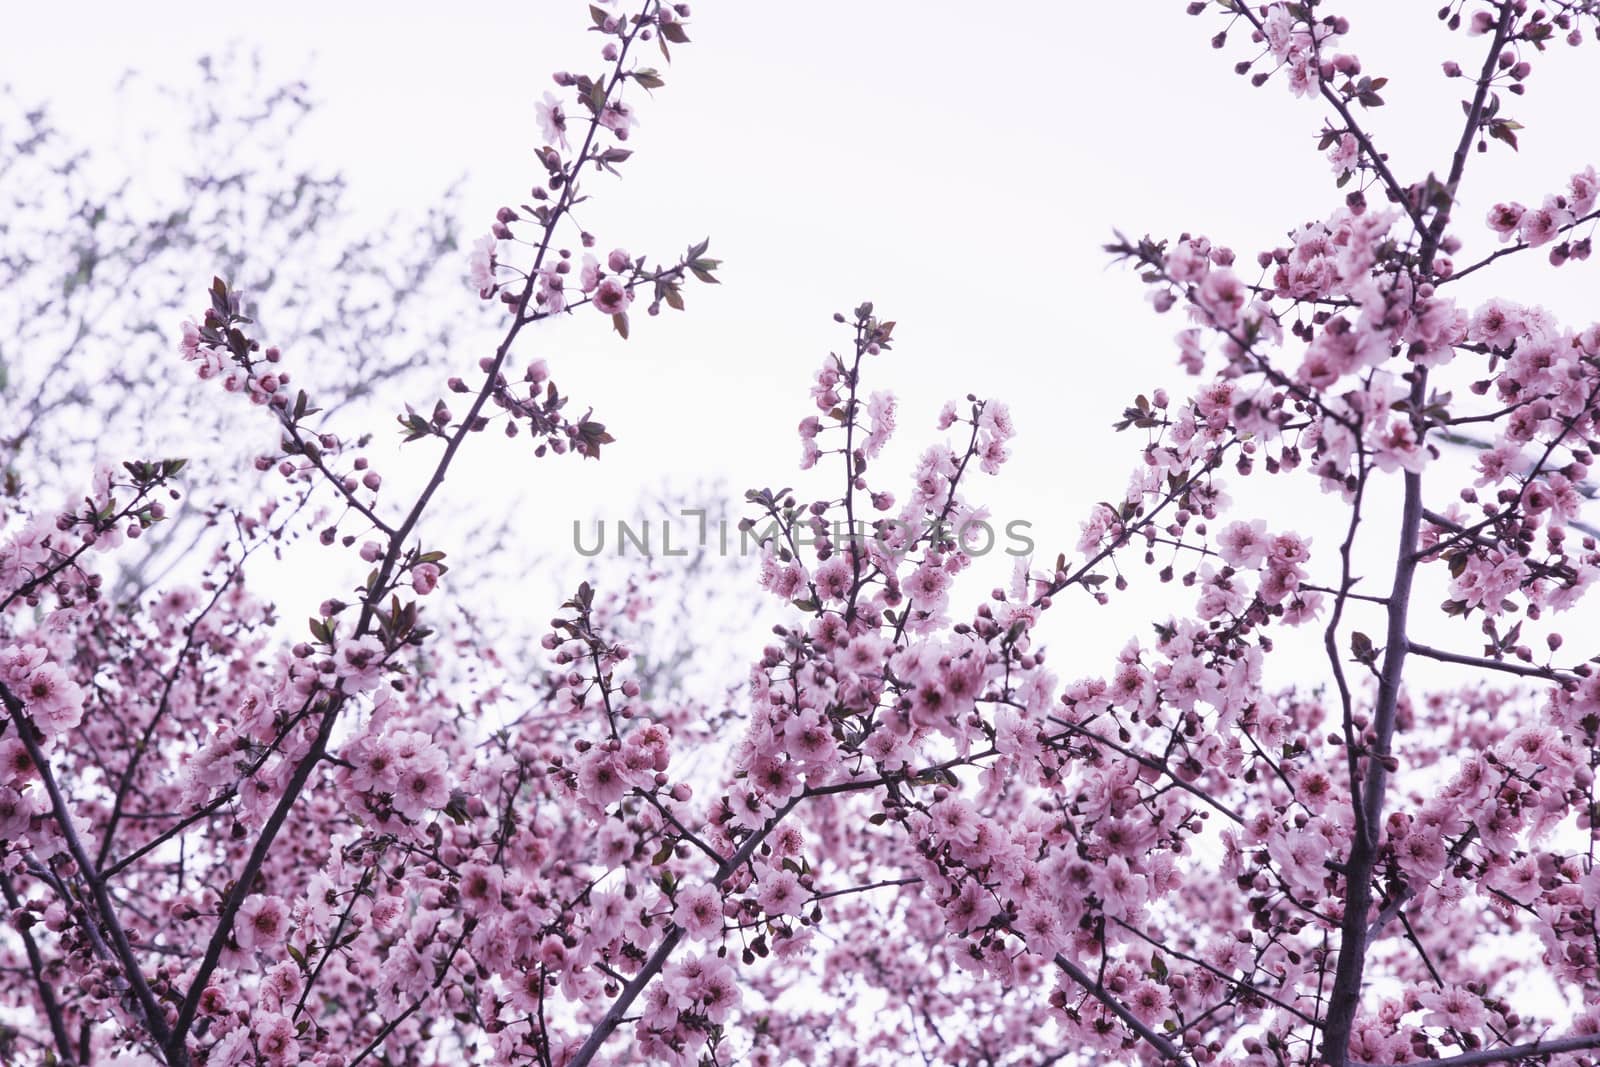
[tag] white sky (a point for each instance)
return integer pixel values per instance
(958, 164)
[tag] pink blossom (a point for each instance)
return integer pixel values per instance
(421, 786)
(971, 908)
(589, 273)
(833, 579)
(780, 893)
(1121, 890)
(749, 807)
(262, 923)
(807, 738)
(1398, 447)
(374, 765)
(715, 991)
(480, 887)
(1188, 261)
(1455, 1007)
(1497, 324)
(1585, 188)
(1040, 925)
(276, 1038)
(481, 266)
(1543, 224)
(612, 297)
(777, 778)
(618, 117)
(1289, 549)
(15, 814)
(880, 409)
(189, 344)
(783, 579)
(1504, 219)
(1222, 295)
(424, 578)
(1148, 1001)
(1345, 153)
(600, 780)
(699, 912)
(232, 1049)
(360, 663)
(552, 120)
(53, 700)
(1244, 544)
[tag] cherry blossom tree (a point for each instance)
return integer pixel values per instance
(96, 262)
(919, 835)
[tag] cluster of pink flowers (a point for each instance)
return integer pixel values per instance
(54, 700)
(396, 838)
(1557, 214)
(610, 293)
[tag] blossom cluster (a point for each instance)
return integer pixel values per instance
(397, 839)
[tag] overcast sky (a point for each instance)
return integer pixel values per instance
(958, 164)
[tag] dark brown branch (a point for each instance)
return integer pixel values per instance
(105, 910)
(1520, 669)
(47, 995)
(669, 943)
(1510, 249)
(1345, 998)
(1120, 1010)
(1506, 1053)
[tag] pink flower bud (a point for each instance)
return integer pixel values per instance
(424, 578)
